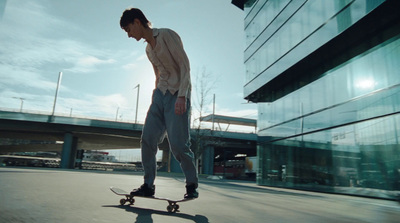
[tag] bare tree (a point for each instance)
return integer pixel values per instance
(203, 85)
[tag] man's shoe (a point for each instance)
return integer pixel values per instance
(191, 192)
(144, 191)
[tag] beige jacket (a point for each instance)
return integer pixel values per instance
(170, 63)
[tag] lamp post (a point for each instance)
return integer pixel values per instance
(212, 129)
(22, 102)
(55, 97)
(116, 116)
(137, 101)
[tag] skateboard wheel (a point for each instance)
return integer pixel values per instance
(176, 207)
(122, 201)
(132, 201)
(170, 208)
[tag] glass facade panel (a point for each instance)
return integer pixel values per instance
(333, 125)
(286, 34)
(358, 87)
(340, 133)
(261, 15)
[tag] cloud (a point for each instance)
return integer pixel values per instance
(13, 77)
(88, 63)
(30, 50)
(134, 65)
(130, 66)
(92, 106)
(142, 57)
(40, 38)
(110, 100)
(101, 106)
(92, 61)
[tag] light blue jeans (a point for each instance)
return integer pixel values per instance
(161, 119)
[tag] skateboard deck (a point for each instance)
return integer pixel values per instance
(172, 204)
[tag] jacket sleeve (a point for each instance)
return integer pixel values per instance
(175, 47)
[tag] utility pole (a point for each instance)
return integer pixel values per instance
(55, 98)
(137, 101)
(213, 113)
(22, 102)
(116, 116)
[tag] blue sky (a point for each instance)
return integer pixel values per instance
(101, 66)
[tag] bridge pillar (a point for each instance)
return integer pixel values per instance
(68, 153)
(208, 160)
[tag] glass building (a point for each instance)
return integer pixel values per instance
(326, 77)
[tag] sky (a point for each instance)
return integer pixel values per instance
(101, 66)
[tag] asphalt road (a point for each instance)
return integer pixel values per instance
(54, 195)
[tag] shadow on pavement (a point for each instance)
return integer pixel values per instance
(144, 215)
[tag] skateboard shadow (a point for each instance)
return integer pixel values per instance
(144, 215)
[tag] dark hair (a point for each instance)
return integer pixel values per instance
(131, 14)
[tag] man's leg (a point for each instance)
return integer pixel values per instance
(178, 127)
(153, 130)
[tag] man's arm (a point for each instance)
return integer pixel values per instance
(175, 46)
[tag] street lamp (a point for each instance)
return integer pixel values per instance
(116, 116)
(22, 102)
(137, 101)
(213, 113)
(55, 98)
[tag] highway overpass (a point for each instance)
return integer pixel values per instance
(26, 132)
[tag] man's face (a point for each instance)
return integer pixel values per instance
(132, 29)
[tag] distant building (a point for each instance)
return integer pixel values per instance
(326, 77)
(99, 156)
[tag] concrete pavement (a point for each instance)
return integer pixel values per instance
(54, 195)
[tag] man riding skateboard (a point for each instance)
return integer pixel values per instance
(170, 108)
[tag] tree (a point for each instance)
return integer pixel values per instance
(202, 86)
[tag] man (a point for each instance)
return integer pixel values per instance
(169, 110)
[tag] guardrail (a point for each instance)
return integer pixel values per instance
(13, 160)
(37, 112)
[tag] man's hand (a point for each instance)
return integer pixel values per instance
(180, 106)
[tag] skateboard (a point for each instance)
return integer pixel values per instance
(172, 204)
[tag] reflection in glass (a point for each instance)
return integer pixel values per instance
(341, 131)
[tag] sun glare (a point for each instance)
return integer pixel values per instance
(369, 83)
